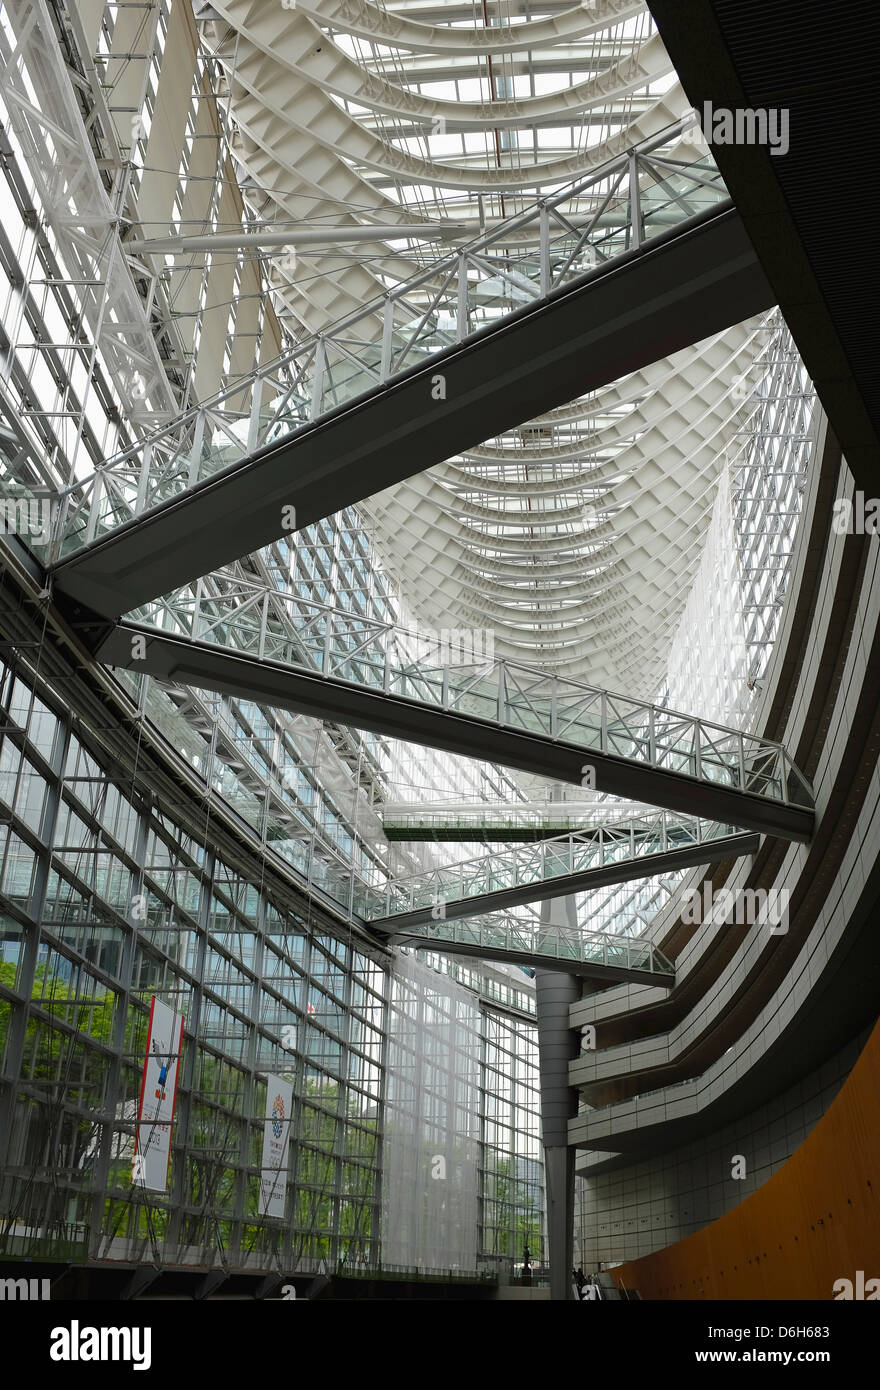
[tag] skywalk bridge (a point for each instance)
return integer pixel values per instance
(540, 310)
(315, 660)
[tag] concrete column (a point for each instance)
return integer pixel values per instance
(557, 1045)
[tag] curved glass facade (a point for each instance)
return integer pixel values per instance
(108, 902)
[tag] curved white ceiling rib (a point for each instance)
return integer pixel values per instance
(647, 388)
(617, 623)
(575, 537)
(313, 176)
(300, 169)
(330, 287)
(292, 43)
(300, 184)
(272, 107)
(323, 289)
(370, 22)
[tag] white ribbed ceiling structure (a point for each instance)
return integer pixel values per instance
(575, 537)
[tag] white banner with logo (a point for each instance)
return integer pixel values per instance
(276, 1143)
(158, 1095)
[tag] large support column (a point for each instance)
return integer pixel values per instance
(557, 1045)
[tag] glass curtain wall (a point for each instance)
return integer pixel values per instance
(108, 901)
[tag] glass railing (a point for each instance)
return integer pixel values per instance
(506, 935)
(626, 842)
(283, 629)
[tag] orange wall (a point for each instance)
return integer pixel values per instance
(815, 1221)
